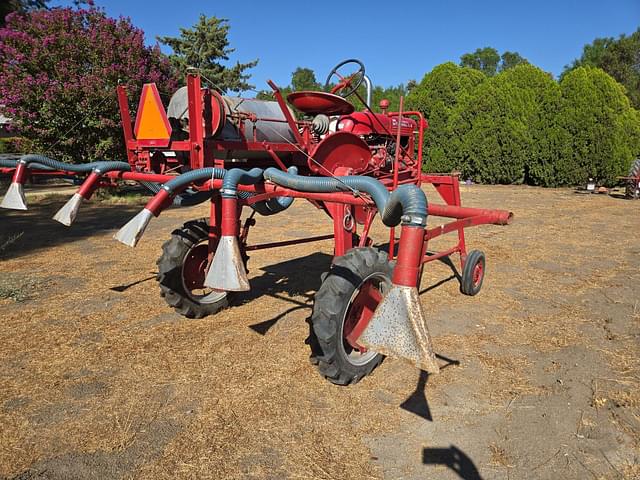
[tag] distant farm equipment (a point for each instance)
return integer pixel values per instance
(256, 156)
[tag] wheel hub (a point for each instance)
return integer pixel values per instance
(360, 313)
(195, 267)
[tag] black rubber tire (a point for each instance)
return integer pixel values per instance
(328, 351)
(632, 188)
(169, 275)
(467, 285)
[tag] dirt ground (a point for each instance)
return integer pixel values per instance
(99, 378)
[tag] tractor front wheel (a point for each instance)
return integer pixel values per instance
(182, 268)
(343, 305)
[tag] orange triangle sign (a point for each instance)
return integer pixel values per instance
(152, 126)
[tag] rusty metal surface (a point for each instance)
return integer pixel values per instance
(67, 214)
(227, 270)
(399, 329)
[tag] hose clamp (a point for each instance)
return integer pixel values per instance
(414, 220)
(229, 192)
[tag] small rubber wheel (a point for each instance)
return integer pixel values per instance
(632, 189)
(182, 269)
(346, 300)
(473, 273)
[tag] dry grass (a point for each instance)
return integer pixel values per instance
(85, 370)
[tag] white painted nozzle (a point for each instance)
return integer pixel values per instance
(14, 198)
(227, 270)
(67, 214)
(398, 328)
(133, 230)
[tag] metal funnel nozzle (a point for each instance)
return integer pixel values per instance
(67, 214)
(14, 198)
(398, 328)
(227, 270)
(133, 230)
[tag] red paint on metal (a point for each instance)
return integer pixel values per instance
(125, 118)
(313, 103)
(340, 150)
(230, 222)
(196, 129)
(496, 217)
(410, 255)
(365, 123)
(159, 202)
(194, 268)
(359, 314)
(20, 174)
(89, 186)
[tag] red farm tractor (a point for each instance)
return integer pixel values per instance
(258, 156)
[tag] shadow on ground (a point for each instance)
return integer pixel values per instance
(299, 277)
(454, 458)
(36, 229)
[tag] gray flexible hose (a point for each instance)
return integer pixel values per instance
(186, 199)
(406, 204)
(6, 163)
(237, 176)
(272, 205)
(98, 167)
(193, 176)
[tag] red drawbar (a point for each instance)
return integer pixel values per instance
(159, 202)
(230, 225)
(89, 186)
(409, 256)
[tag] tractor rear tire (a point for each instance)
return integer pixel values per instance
(473, 273)
(633, 184)
(178, 252)
(337, 361)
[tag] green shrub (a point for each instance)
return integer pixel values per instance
(603, 128)
(436, 96)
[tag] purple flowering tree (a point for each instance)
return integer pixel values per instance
(59, 70)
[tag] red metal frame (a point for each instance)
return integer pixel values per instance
(346, 209)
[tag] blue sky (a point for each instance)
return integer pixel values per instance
(397, 41)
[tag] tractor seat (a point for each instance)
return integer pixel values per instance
(313, 103)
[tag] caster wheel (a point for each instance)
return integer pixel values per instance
(473, 273)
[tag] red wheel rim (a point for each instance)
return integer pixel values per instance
(478, 272)
(360, 313)
(194, 268)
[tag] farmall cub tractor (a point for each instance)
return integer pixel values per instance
(255, 156)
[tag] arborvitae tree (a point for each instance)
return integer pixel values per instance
(619, 57)
(436, 96)
(542, 99)
(604, 129)
(204, 47)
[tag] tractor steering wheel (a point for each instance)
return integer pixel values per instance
(349, 83)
